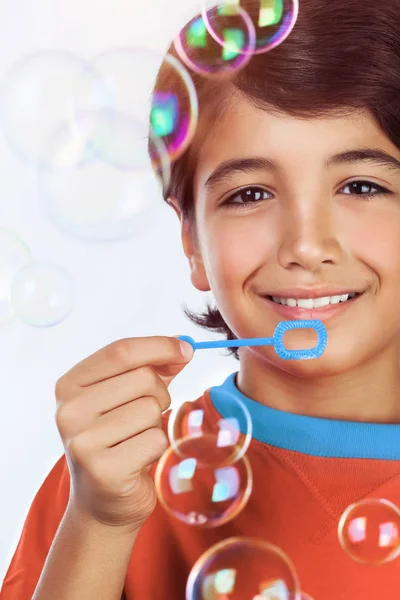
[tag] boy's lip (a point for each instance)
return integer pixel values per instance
(323, 313)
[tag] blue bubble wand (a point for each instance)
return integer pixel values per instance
(276, 341)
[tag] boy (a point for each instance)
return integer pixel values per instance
(289, 193)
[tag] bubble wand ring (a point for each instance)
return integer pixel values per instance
(276, 341)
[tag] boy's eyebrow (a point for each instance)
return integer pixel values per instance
(261, 163)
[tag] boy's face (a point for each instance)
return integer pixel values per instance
(304, 225)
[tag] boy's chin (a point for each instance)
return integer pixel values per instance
(330, 364)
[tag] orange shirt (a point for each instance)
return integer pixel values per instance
(306, 471)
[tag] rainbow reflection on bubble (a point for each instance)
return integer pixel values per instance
(174, 110)
(273, 21)
(212, 58)
(369, 531)
(197, 494)
(243, 568)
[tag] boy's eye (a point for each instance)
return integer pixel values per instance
(247, 196)
(362, 187)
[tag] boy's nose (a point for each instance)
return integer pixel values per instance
(310, 240)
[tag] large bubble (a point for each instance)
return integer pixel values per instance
(220, 440)
(37, 98)
(43, 293)
(197, 494)
(94, 201)
(243, 569)
(273, 21)
(218, 56)
(369, 531)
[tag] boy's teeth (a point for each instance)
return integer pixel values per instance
(313, 302)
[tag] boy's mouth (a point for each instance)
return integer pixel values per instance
(313, 303)
(322, 308)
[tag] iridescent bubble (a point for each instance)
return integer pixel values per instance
(212, 57)
(199, 495)
(273, 21)
(14, 254)
(369, 531)
(93, 201)
(243, 569)
(220, 440)
(122, 117)
(42, 293)
(36, 99)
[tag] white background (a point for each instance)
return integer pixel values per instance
(129, 288)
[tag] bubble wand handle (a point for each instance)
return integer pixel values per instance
(276, 341)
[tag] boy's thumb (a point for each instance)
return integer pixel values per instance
(186, 346)
(169, 372)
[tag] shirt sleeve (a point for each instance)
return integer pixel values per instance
(39, 529)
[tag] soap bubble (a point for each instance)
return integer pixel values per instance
(243, 569)
(220, 440)
(94, 201)
(369, 531)
(14, 254)
(204, 55)
(42, 293)
(37, 97)
(197, 494)
(122, 117)
(273, 21)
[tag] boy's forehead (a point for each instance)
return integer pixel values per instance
(244, 130)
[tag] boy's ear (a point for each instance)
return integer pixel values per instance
(197, 271)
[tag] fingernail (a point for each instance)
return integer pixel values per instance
(187, 349)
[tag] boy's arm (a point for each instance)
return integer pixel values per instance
(86, 560)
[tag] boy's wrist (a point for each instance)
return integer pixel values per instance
(87, 521)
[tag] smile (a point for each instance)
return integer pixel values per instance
(313, 302)
(312, 308)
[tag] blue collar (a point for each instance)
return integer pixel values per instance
(312, 435)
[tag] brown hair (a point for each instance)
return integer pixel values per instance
(341, 55)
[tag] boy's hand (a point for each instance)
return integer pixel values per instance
(109, 418)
